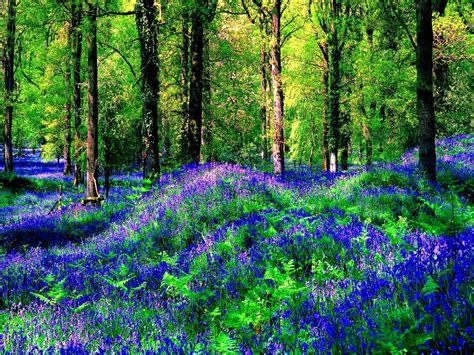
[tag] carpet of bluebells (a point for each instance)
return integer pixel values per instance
(221, 258)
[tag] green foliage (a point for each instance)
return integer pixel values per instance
(54, 291)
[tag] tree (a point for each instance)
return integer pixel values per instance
(323, 45)
(184, 63)
(424, 89)
(147, 27)
(262, 18)
(328, 14)
(67, 106)
(76, 54)
(202, 14)
(335, 52)
(92, 191)
(9, 77)
(275, 49)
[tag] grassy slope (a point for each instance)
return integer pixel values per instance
(223, 258)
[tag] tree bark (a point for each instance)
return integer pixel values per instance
(325, 81)
(345, 140)
(207, 121)
(147, 27)
(425, 106)
(439, 6)
(76, 46)
(185, 85)
(196, 85)
(264, 88)
(108, 158)
(334, 96)
(313, 136)
(92, 191)
(67, 108)
(67, 131)
(9, 77)
(278, 99)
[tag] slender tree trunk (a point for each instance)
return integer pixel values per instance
(107, 157)
(185, 86)
(93, 114)
(264, 88)
(9, 77)
(425, 107)
(278, 135)
(67, 132)
(345, 140)
(196, 85)
(373, 105)
(76, 46)
(313, 136)
(366, 134)
(67, 108)
(334, 97)
(147, 27)
(325, 81)
(206, 127)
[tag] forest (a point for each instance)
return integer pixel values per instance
(237, 176)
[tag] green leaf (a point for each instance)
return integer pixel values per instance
(430, 287)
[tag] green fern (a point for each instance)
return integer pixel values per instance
(120, 284)
(223, 344)
(430, 287)
(56, 290)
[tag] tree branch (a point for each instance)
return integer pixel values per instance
(122, 56)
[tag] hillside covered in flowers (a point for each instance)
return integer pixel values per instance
(219, 257)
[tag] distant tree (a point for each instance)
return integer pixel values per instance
(262, 18)
(9, 77)
(424, 85)
(67, 105)
(201, 15)
(92, 191)
(147, 27)
(323, 46)
(278, 99)
(184, 62)
(76, 54)
(328, 15)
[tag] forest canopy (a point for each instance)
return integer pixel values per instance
(165, 83)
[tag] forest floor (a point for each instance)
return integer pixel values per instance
(220, 258)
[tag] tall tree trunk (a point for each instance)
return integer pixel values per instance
(367, 132)
(425, 107)
(67, 107)
(278, 134)
(334, 96)
(107, 144)
(185, 85)
(207, 123)
(76, 46)
(264, 88)
(313, 136)
(345, 140)
(93, 113)
(196, 84)
(9, 77)
(325, 93)
(147, 27)
(67, 128)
